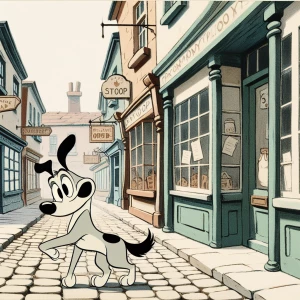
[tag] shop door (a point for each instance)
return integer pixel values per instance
(116, 181)
(258, 165)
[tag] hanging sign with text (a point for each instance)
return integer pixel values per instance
(91, 159)
(102, 134)
(8, 103)
(116, 87)
(40, 131)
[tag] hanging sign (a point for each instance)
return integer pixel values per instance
(8, 103)
(41, 130)
(116, 87)
(91, 159)
(102, 134)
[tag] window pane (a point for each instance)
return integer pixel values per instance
(184, 131)
(252, 61)
(185, 177)
(16, 175)
(286, 120)
(204, 179)
(184, 111)
(139, 155)
(6, 175)
(148, 132)
(194, 106)
(148, 154)
(286, 86)
(139, 135)
(154, 134)
(116, 177)
(177, 176)
(11, 154)
(286, 52)
(286, 149)
(6, 151)
(204, 102)
(6, 163)
(230, 178)
(150, 178)
(177, 111)
(286, 175)
(16, 156)
(17, 185)
(263, 57)
(11, 186)
(194, 177)
(133, 183)
(205, 149)
(194, 129)
(133, 157)
(6, 186)
(177, 155)
(117, 161)
(204, 124)
(140, 181)
(176, 134)
(132, 136)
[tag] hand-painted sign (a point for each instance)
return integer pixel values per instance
(102, 134)
(41, 130)
(8, 103)
(91, 159)
(116, 87)
(137, 114)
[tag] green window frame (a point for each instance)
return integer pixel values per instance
(171, 11)
(12, 178)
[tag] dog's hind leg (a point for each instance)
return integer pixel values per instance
(102, 264)
(118, 259)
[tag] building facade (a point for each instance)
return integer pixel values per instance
(32, 111)
(114, 171)
(12, 72)
(63, 124)
(230, 88)
(141, 122)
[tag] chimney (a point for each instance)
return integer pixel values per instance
(74, 98)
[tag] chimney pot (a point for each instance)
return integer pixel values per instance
(78, 84)
(70, 86)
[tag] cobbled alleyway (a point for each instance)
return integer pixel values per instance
(26, 273)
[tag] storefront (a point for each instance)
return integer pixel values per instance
(11, 147)
(222, 100)
(141, 129)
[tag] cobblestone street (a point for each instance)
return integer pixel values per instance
(26, 273)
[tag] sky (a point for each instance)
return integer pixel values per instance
(61, 42)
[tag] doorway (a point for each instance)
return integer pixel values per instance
(256, 153)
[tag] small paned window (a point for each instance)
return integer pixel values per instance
(53, 144)
(11, 170)
(140, 31)
(258, 60)
(168, 5)
(16, 87)
(30, 113)
(32, 176)
(2, 72)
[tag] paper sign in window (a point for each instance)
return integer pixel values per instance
(287, 170)
(229, 146)
(197, 150)
(186, 157)
(286, 157)
(264, 99)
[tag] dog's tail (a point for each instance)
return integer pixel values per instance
(142, 248)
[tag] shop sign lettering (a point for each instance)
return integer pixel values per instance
(8, 103)
(221, 24)
(144, 108)
(40, 131)
(91, 159)
(116, 87)
(102, 134)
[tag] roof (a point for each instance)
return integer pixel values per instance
(32, 85)
(66, 118)
(11, 50)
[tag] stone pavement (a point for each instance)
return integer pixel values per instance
(239, 268)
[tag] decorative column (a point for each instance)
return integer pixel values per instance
(168, 161)
(272, 15)
(216, 84)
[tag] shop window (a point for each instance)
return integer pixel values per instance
(140, 31)
(258, 60)
(172, 9)
(16, 87)
(102, 179)
(11, 170)
(2, 72)
(52, 144)
(32, 176)
(191, 143)
(143, 157)
(231, 139)
(286, 115)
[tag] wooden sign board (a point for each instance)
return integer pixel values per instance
(102, 134)
(41, 131)
(8, 103)
(91, 159)
(116, 87)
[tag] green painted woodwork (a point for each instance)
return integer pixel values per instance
(261, 224)
(258, 246)
(216, 86)
(192, 219)
(231, 224)
(171, 15)
(289, 242)
(168, 161)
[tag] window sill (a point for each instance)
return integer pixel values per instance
(138, 193)
(287, 203)
(198, 196)
(3, 91)
(12, 193)
(139, 58)
(172, 12)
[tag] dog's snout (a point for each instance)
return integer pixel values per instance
(48, 208)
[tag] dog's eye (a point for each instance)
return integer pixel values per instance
(57, 194)
(67, 186)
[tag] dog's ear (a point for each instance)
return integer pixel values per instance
(44, 167)
(64, 148)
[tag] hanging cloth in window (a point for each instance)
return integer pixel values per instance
(263, 166)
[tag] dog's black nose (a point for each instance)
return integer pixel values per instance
(48, 208)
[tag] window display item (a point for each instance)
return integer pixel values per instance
(204, 182)
(137, 183)
(229, 126)
(182, 182)
(151, 181)
(263, 165)
(226, 181)
(194, 180)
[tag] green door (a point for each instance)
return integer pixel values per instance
(257, 160)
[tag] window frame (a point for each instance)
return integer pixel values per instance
(171, 12)
(11, 170)
(140, 18)
(16, 87)
(33, 182)
(2, 76)
(51, 137)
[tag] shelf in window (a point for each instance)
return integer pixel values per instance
(141, 193)
(139, 58)
(192, 195)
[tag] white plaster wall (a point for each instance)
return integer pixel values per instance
(168, 35)
(74, 163)
(10, 119)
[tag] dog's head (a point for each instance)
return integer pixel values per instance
(70, 191)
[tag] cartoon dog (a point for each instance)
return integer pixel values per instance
(72, 195)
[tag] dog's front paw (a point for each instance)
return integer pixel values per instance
(52, 253)
(98, 281)
(126, 280)
(69, 281)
